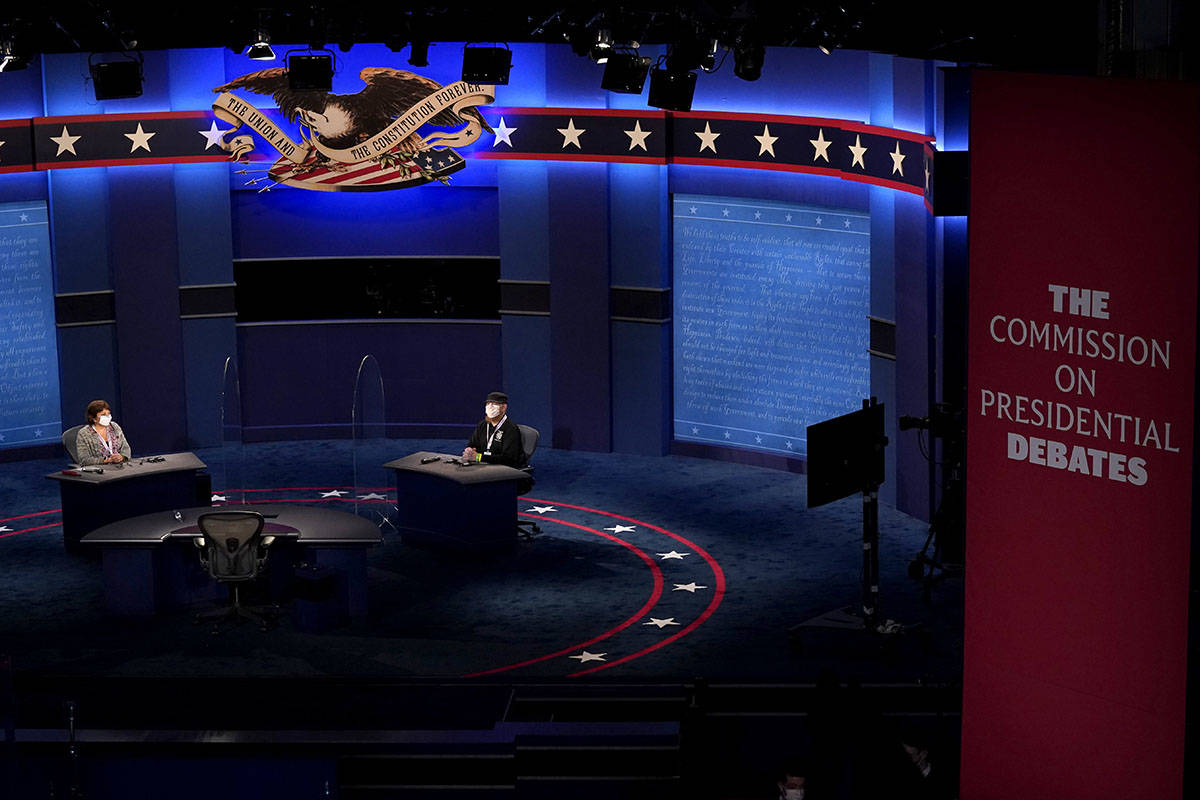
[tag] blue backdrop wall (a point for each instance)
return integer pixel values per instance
(133, 240)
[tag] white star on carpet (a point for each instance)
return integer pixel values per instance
(334, 493)
(708, 139)
(637, 136)
(672, 554)
(140, 138)
(661, 623)
(585, 656)
(372, 496)
(766, 142)
(622, 528)
(688, 587)
(897, 160)
(503, 133)
(820, 146)
(217, 498)
(857, 151)
(212, 136)
(66, 142)
(541, 509)
(4, 528)
(571, 134)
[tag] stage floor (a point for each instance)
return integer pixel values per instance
(647, 569)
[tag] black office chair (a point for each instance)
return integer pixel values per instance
(69, 438)
(529, 442)
(233, 550)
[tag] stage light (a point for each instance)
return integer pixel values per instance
(625, 73)
(671, 90)
(602, 48)
(310, 72)
(488, 65)
(10, 60)
(748, 61)
(261, 49)
(418, 54)
(113, 80)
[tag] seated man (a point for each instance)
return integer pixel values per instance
(497, 439)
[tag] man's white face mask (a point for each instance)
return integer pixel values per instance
(491, 410)
(793, 794)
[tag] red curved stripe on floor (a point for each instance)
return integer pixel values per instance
(34, 514)
(27, 530)
(655, 594)
(718, 588)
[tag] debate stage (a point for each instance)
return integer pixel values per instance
(646, 568)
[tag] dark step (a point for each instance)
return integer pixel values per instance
(463, 769)
(613, 759)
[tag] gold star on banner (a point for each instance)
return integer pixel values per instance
(857, 151)
(66, 142)
(571, 134)
(637, 136)
(766, 142)
(897, 160)
(820, 146)
(708, 139)
(140, 138)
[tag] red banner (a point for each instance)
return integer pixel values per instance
(1083, 294)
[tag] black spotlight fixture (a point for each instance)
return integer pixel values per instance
(11, 59)
(748, 60)
(310, 72)
(418, 54)
(671, 90)
(625, 73)
(260, 48)
(602, 47)
(113, 80)
(489, 65)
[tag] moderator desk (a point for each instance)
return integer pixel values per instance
(445, 503)
(138, 486)
(150, 562)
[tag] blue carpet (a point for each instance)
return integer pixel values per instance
(573, 589)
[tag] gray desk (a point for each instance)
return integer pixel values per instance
(150, 562)
(467, 507)
(138, 486)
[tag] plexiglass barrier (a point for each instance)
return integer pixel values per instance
(231, 481)
(372, 483)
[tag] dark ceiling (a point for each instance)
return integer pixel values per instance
(1052, 35)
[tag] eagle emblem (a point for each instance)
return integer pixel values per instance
(368, 140)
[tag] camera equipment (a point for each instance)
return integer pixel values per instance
(947, 516)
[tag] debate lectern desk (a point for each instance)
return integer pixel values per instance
(472, 507)
(134, 487)
(150, 562)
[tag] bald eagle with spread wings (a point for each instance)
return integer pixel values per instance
(345, 120)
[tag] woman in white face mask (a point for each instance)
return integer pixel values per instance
(101, 441)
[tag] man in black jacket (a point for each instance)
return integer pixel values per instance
(497, 439)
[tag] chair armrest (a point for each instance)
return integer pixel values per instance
(266, 541)
(198, 541)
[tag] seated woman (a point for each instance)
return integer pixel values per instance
(101, 441)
